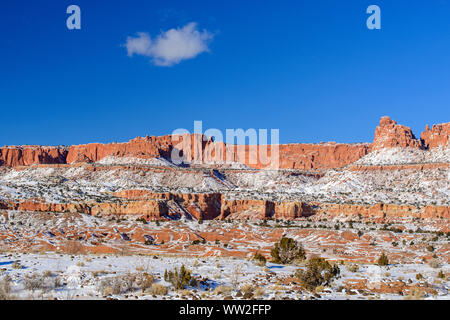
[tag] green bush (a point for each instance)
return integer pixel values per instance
(180, 278)
(319, 272)
(383, 260)
(260, 259)
(287, 250)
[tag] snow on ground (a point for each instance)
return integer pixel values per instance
(397, 156)
(72, 184)
(83, 277)
(112, 160)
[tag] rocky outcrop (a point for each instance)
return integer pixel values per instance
(438, 136)
(198, 149)
(157, 206)
(29, 155)
(148, 147)
(291, 210)
(380, 211)
(389, 134)
(320, 156)
(246, 208)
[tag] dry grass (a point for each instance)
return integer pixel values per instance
(158, 289)
(236, 276)
(47, 274)
(259, 292)
(415, 294)
(223, 290)
(434, 263)
(353, 268)
(125, 283)
(144, 280)
(35, 282)
(247, 289)
(98, 273)
(5, 288)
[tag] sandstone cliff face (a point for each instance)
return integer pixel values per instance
(290, 210)
(381, 211)
(205, 206)
(213, 206)
(389, 134)
(148, 147)
(318, 156)
(28, 155)
(197, 148)
(438, 136)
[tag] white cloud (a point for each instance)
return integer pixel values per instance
(171, 46)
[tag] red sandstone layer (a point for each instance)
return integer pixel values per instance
(154, 206)
(197, 148)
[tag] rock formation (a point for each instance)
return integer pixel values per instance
(438, 136)
(198, 148)
(389, 134)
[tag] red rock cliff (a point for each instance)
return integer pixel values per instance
(28, 155)
(197, 148)
(437, 136)
(389, 134)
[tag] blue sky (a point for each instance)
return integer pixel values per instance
(309, 68)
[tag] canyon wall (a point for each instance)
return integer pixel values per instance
(29, 155)
(437, 136)
(155, 206)
(196, 148)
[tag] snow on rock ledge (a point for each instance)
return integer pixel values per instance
(394, 156)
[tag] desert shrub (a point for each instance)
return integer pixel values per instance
(287, 250)
(34, 282)
(259, 292)
(353, 268)
(128, 281)
(383, 260)
(430, 248)
(235, 277)
(144, 280)
(117, 285)
(419, 276)
(16, 265)
(415, 294)
(5, 288)
(247, 289)
(47, 274)
(224, 290)
(105, 287)
(180, 278)
(259, 259)
(434, 263)
(441, 274)
(319, 272)
(158, 289)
